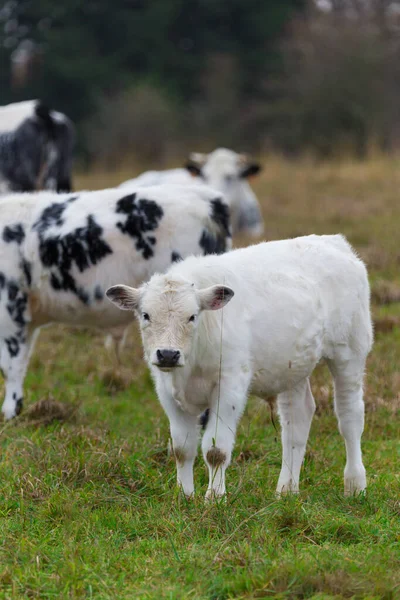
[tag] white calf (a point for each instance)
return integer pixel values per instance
(291, 304)
(59, 254)
(223, 170)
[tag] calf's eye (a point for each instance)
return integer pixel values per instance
(192, 318)
(145, 317)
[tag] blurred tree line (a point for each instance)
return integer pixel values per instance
(155, 77)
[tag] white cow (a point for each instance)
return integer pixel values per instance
(291, 304)
(223, 170)
(60, 253)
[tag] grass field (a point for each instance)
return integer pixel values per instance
(89, 507)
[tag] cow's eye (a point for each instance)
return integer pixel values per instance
(192, 319)
(145, 317)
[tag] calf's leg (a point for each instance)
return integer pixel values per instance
(349, 409)
(227, 405)
(296, 409)
(185, 439)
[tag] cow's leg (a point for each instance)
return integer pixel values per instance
(227, 405)
(349, 408)
(15, 351)
(296, 409)
(185, 438)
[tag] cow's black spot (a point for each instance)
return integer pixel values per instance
(211, 243)
(81, 248)
(98, 293)
(26, 267)
(12, 290)
(82, 295)
(18, 406)
(14, 233)
(21, 336)
(220, 214)
(141, 216)
(52, 215)
(2, 281)
(204, 418)
(216, 243)
(12, 346)
(17, 304)
(176, 257)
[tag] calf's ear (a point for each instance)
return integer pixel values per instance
(215, 297)
(193, 169)
(123, 296)
(250, 170)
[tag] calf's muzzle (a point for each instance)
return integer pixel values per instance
(167, 357)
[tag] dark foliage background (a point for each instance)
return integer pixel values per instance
(155, 77)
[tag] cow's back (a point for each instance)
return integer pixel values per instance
(79, 244)
(294, 299)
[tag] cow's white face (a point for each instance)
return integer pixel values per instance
(222, 169)
(227, 172)
(169, 311)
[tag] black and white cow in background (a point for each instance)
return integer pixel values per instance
(36, 146)
(223, 170)
(60, 253)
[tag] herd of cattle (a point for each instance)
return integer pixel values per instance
(159, 247)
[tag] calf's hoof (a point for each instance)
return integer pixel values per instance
(284, 489)
(213, 495)
(355, 483)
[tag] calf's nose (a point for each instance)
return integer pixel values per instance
(168, 357)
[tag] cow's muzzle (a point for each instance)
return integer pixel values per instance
(168, 358)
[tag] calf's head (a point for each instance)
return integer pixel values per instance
(169, 312)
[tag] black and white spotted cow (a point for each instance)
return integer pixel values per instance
(36, 147)
(60, 253)
(225, 171)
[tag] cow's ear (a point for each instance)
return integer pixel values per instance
(215, 297)
(250, 170)
(193, 169)
(123, 296)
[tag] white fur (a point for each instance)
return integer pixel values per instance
(295, 302)
(220, 170)
(12, 115)
(187, 213)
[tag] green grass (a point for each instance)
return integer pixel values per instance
(89, 507)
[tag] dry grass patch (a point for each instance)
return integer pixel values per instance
(385, 292)
(48, 410)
